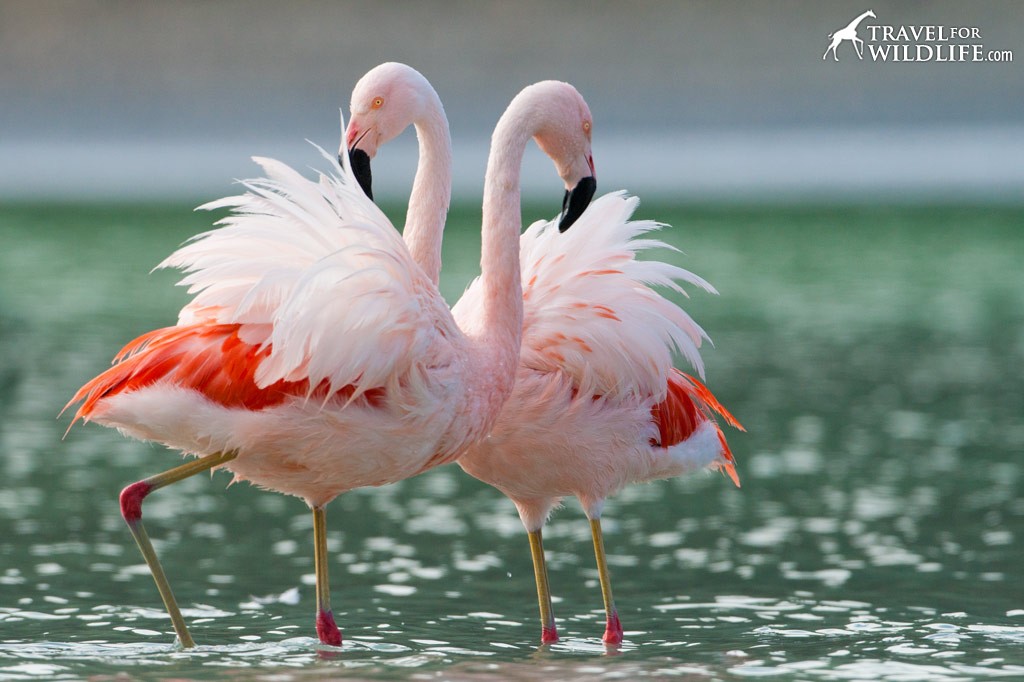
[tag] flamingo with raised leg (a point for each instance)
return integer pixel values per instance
(597, 403)
(316, 356)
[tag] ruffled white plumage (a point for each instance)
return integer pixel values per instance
(317, 271)
(591, 309)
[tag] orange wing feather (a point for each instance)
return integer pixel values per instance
(690, 403)
(208, 358)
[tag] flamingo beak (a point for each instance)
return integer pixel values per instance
(360, 162)
(359, 158)
(576, 201)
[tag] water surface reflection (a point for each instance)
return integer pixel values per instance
(873, 355)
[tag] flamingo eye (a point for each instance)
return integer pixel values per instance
(378, 102)
(586, 127)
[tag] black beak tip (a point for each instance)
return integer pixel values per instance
(576, 201)
(360, 162)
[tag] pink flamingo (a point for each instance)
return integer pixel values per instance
(316, 356)
(597, 403)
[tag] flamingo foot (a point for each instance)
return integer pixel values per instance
(613, 631)
(548, 634)
(326, 629)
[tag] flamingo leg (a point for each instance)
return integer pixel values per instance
(613, 630)
(540, 573)
(131, 509)
(326, 629)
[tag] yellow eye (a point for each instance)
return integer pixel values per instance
(586, 127)
(378, 102)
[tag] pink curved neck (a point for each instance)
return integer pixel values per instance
(501, 314)
(431, 190)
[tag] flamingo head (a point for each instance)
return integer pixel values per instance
(386, 101)
(563, 125)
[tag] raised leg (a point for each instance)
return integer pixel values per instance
(548, 633)
(613, 630)
(326, 629)
(131, 510)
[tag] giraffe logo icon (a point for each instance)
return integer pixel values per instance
(848, 32)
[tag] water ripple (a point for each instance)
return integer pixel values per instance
(877, 535)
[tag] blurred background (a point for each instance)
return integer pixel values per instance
(692, 100)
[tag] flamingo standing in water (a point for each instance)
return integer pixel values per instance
(597, 403)
(317, 356)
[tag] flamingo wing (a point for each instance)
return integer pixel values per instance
(689, 403)
(318, 277)
(207, 357)
(591, 308)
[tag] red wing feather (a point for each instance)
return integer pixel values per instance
(688, 404)
(677, 416)
(208, 358)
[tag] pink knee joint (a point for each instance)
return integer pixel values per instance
(131, 500)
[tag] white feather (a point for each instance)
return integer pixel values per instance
(316, 270)
(590, 306)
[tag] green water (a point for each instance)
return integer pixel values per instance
(874, 354)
